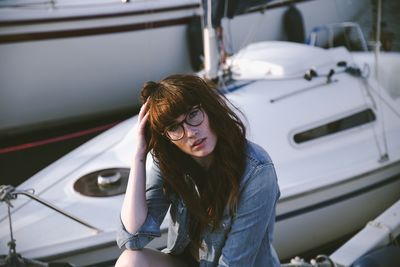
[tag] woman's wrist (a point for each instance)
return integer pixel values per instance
(139, 157)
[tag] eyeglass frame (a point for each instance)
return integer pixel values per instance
(180, 124)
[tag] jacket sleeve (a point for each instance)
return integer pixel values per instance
(157, 204)
(253, 221)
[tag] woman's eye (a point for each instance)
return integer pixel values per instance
(193, 113)
(173, 128)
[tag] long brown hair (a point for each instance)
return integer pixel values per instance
(206, 193)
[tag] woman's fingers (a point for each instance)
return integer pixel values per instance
(143, 110)
(143, 121)
(140, 139)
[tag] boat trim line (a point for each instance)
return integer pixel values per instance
(37, 36)
(337, 199)
(99, 16)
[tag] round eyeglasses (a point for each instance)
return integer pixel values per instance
(194, 117)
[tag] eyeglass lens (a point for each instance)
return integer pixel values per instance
(194, 118)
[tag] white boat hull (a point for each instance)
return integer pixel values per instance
(335, 212)
(323, 217)
(79, 60)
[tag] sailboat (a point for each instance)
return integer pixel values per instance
(329, 118)
(65, 62)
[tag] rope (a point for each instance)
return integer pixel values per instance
(57, 139)
(7, 193)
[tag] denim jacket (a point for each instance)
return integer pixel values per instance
(244, 239)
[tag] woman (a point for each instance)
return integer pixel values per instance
(220, 189)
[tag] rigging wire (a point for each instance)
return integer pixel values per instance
(377, 105)
(254, 30)
(368, 88)
(384, 155)
(12, 239)
(250, 36)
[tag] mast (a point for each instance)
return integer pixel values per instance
(210, 47)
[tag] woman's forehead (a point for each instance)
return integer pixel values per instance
(180, 118)
(180, 114)
(167, 114)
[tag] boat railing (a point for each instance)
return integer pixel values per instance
(344, 33)
(9, 193)
(319, 261)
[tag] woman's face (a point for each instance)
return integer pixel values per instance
(198, 141)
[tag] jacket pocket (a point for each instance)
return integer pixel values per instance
(218, 236)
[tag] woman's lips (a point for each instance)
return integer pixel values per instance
(198, 143)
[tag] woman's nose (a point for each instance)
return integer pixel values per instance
(190, 130)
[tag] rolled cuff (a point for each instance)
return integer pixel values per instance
(147, 232)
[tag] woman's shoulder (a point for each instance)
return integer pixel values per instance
(259, 171)
(257, 155)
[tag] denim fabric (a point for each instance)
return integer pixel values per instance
(244, 239)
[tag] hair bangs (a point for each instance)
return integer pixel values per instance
(169, 104)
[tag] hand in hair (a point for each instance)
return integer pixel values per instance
(140, 149)
(134, 207)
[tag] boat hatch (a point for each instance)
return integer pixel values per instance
(276, 60)
(353, 120)
(103, 183)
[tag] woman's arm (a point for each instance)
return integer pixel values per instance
(134, 207)
(157, 206)
(145, 205)
(252, 225)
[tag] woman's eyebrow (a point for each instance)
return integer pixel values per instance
(177, 121)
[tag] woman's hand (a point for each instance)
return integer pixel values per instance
(134, 207)
(141, 148)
